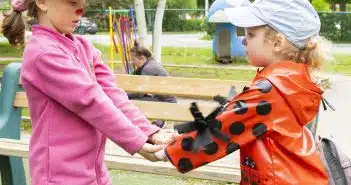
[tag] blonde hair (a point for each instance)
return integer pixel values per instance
(315, 54)
(14, 25)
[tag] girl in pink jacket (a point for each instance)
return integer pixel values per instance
(73, 101)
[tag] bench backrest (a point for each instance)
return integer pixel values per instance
(181, 87)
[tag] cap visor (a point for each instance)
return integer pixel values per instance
(243, 17)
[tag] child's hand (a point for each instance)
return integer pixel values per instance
(161, 156)
(148, 151)
(163, 137)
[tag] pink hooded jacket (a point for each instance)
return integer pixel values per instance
(74, 106)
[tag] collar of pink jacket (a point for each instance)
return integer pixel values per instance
(66, 39)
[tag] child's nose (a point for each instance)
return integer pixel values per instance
(244, 42)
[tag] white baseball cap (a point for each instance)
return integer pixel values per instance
(296, 19)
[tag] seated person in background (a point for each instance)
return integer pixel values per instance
(145, 65)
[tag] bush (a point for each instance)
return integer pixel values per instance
(175, 22)
(321, 5)
(210, 28)
(336, 26)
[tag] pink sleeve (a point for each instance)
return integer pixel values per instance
(69, 84)
(107, 81)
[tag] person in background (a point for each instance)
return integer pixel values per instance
(145, 65)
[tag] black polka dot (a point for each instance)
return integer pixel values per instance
(240, 107)
(237, 128)
(259, 129)
(232, 147)
(246, 88)
(185, 165)
(188, 144)
(263, 108)
(211, 149)
(264, 86)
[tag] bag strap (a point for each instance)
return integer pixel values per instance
(333, 161)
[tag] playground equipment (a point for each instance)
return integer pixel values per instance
(226, 43)
(123, 35)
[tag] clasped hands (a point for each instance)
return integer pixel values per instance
(154, 149)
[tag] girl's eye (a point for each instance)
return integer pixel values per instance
(73, 3)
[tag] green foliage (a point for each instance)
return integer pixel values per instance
(321, 5)
(210, 28)
(338, 1)
(181, 4)
(4, 5)
(172, 24)
(173, 4)
(336, 26)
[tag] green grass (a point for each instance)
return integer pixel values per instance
(176, 55)
(342, 64)
(191, 56)
(165, 33)
(6, 50)
(136, 178)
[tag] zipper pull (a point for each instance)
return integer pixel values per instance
(326, 103)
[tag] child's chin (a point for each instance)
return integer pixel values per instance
(255, 64)
(68, 31)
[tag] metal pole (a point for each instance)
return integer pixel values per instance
(206, 7)
(112, 55)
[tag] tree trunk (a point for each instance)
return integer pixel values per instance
(333, 7)
(156, 37)
(140, 19)
(105, 18)
(343, 6)
(206, 8)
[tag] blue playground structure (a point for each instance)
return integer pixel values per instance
(226, 43)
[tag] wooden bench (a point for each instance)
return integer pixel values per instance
(13, 100)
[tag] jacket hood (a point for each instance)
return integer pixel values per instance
(294, 83)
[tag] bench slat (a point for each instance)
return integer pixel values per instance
(20, 149)
(175, 86)
(152, 110)
(181, 87)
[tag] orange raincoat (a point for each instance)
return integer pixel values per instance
(267, 122)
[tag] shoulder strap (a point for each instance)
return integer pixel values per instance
(332, 159)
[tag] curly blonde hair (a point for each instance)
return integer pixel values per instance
(314, 54)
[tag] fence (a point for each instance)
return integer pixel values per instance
(336, 26)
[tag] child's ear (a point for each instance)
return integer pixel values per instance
(42, 5)
(279, 43)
